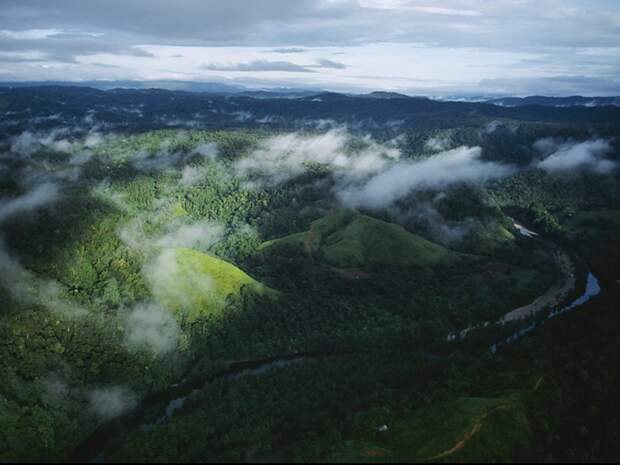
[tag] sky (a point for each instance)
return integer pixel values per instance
(435, 48)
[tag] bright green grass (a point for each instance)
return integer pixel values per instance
(197, 283)
(465, 429)
(347, 239)
(488, 239)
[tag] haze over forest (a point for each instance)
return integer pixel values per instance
(309, 231)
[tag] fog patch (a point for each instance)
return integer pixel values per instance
(162, 270)
(104, 190)
(192, 175)
(462, 164)
(28, 142)
(112, 402)
(425, 216)
(496, 126)
(168, 156)
(242, 116)
(93, 139)
(200, 235)
(80, 159)
(40, 196)
(269, 119)
(14, 277)
(179, 233)
(365, 173)
(152, 328)
(207, 150)
(27, 288)
(284, 157)
(561, 155)
(162, 275)
(438, 144)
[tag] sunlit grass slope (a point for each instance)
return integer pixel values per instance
(198, 283)
(348, 239)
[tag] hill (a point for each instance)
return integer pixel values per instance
(197, 283)
(139, 109)
(348, 239)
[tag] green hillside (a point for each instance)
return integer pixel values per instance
(465, 429)
(198, 283)
(348, 239)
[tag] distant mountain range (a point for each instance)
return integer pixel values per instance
(219, 88)
(147, 108)
(573, 101)
(187, 86)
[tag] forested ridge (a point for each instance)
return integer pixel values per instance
(141, 254)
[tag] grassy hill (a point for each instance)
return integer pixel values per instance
(347, 239)
(198, 283)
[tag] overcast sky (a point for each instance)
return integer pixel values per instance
(551, 47)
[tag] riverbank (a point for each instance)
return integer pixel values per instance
(554, 296)
(93, 448)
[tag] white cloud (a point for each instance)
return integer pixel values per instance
(284, 157)
(162, 275)
(151, 327)
(162, 269)
(28, 142)
(111, 402)
(207, 150)
(193, 175)
(566, 155)
(438, 143)
(455, 45)
(38, 197)
(438, 171)
(28, 288)
(200, 235)
(366, 173)
(165, 158)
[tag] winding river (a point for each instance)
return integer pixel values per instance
(592, 289)
(93, 448)
(552, 297)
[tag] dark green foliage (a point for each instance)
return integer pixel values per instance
(379, 322)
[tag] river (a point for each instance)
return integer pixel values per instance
(93, 449)
(592, 289)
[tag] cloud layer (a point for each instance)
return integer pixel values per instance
(40, 196)
(504, 46)
(151, 327)
(566, 155)
(462, 164)
(281, 158)
(111, 402)
(365, 172)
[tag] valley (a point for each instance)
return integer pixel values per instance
(249, 289)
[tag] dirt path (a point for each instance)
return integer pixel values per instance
(477, 426)
(460, 444)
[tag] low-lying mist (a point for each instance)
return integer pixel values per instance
(563, 155)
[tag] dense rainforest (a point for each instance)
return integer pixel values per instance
(198, 277)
